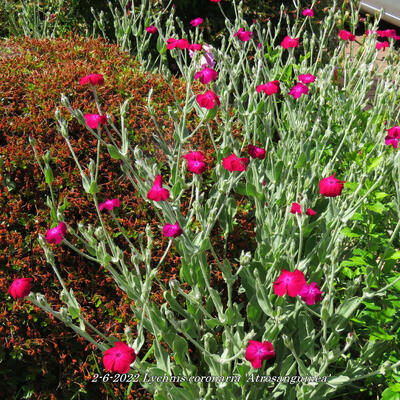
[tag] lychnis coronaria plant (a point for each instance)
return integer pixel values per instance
(310, 158)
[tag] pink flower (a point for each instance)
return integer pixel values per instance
(259, 46)
(233, 163)
(387, 33)
(307, 78)
(56, 234)
(379, 45)
(151, 29)
(331, 187)
(394, 132)
(208, 100)
(94, 79)
(195, 47)
(180, 43)
(195, 160)
(289, 282)
(310, 293)
(109, 204)
(216, 1)
(296, 208)
(269, 88)
(196, 22)
(157, 192)
(119, 358)
(93, 120)
(243, 35)
(172, 230)
(206, 75)
(256, 152)
(289, 42)
(346, 35)
(297, 90)
(257, 352)
(390, 141)
(308, 12)
(369, 32)
(20, 288)
(310, 212)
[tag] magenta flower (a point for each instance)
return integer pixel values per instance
(308, 12)
(208, 100)
(243, 35)
(56, 234)
(216, 1)
(394, 132)
(93, 120)
(296, 208)
(307, 78)
(180, 43)
(109, 204)
(297, 90)
(172, 230)
(393, 137)
(379, 45)
(346, 35)
(233, 163)
(331, 187)
(288, 42)
(197, 21)
(94, 79)
(289, 282)
(195, 161)
(387, 33)
(195, 47)
(310, 293)
(256, 152)
(369, 32)
(20, 288)
(206, 75)
(259, 46)
(310, 212)
(151, 29)
(257, 352)
(269, 88)
(391, 142)
(157, 192)
(119, 358)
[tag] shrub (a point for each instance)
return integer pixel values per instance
(33, 72)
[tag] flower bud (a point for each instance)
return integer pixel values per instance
(245, 258)
(174, 284)
(64, 102)
(99, 233)
(138, 154)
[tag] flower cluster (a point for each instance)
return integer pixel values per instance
(294, 284)
(296, 209)
(182, 44)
